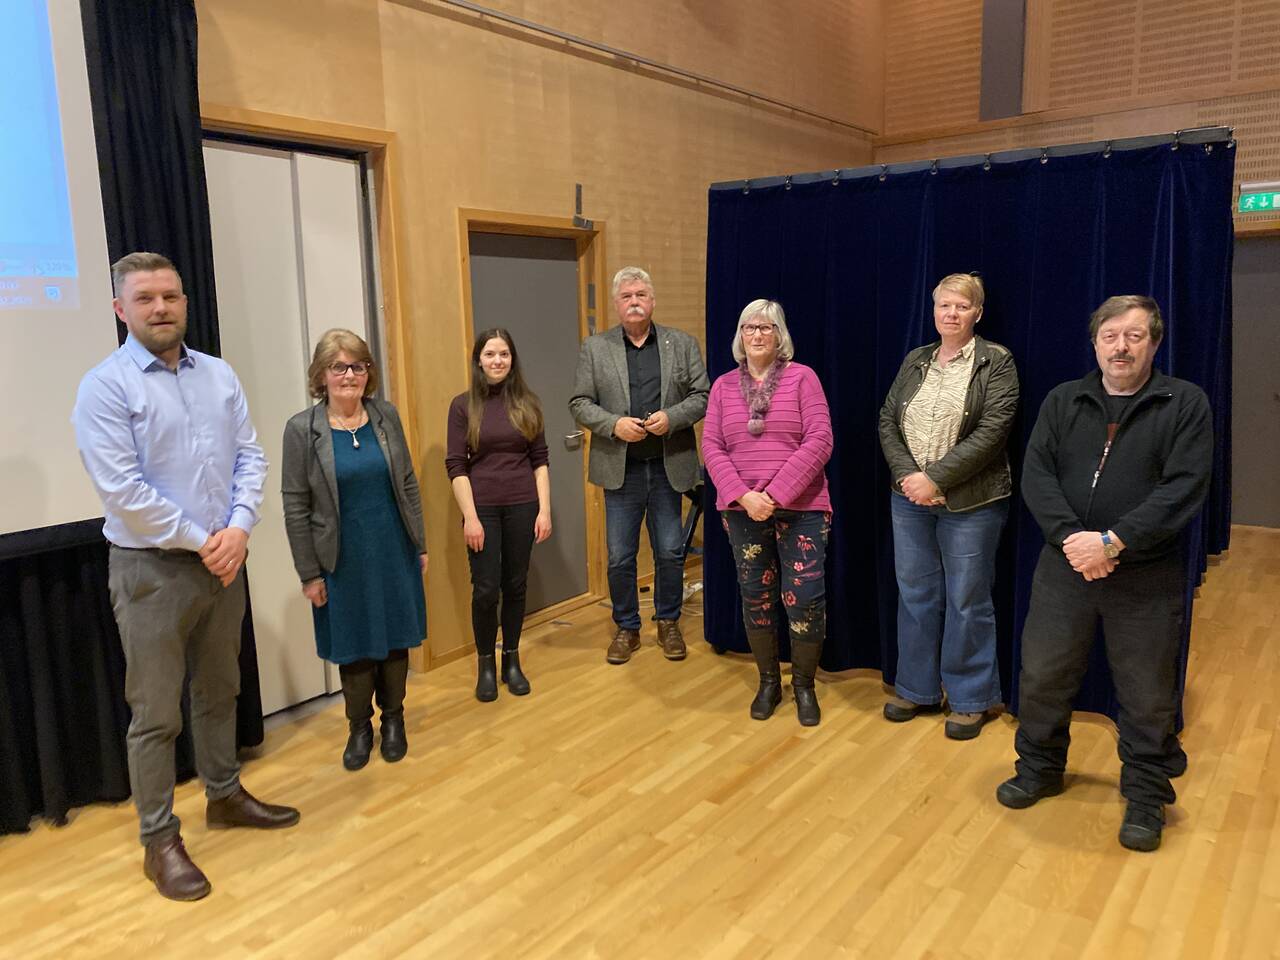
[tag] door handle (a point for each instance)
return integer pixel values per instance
(572, 441)
(576, 435)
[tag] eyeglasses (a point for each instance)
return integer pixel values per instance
(359, 368)
(751, 329)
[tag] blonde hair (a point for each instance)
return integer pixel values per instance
(138, 262)
(771, 310)
(968, 285)
(330, 344)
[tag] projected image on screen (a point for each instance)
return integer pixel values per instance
(37, 243)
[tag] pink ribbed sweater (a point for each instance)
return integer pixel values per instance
(787, 460)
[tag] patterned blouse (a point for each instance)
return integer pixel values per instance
(931, 423)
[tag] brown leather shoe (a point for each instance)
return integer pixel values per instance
(625, 643)
(167, 865)
(671, 640)
(243, 809)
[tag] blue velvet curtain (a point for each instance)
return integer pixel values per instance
(853, 260)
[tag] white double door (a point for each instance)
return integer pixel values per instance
(289, 254)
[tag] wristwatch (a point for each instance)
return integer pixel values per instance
(1109, 548)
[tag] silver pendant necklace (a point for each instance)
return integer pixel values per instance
(355, 443)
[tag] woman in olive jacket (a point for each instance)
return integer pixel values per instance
(943, 429)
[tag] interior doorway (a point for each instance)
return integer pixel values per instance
(536, 278)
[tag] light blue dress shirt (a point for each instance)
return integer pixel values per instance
(172, 454)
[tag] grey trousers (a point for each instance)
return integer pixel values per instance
(177, 620)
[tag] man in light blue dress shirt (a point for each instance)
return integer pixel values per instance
(165, 435)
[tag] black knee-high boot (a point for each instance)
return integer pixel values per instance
(393, 675)
(804, 666)
(357, 692)
(764, 647)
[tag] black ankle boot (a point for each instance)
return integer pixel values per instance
(804, 665)
(359, 745)
(517, 683)
(486, 678)
(764, 647)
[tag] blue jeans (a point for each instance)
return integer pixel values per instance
(646, 495)
(945, 563)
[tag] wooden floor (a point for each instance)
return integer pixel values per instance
(638, 812)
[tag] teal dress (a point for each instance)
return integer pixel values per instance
(375, 603)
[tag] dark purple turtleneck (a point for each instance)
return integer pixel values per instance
(501, 471)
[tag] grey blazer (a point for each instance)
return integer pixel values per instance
(602, 394)
(310, 485)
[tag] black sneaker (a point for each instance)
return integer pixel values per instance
(1020, 792)
(1143, 823)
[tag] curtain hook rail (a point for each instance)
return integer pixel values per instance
(786, 182)
(986, 164)
(1044, 154)
(884, 172)
(746, 186)
(1106, 151)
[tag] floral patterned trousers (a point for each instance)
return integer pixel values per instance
(782, 561)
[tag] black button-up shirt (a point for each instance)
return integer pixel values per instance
(644, 373)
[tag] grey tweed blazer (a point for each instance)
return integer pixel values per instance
(309, 485)
(602, 394)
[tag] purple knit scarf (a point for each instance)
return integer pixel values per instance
(758, 395)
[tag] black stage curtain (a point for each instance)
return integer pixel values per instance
(853, 260)
(62, 711)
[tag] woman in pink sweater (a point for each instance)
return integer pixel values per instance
(766, 440)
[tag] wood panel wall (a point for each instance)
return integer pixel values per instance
(932, 63)
(492, 118)
(1105, 69)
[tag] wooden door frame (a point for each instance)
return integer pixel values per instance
(589, 242)
(381, 151)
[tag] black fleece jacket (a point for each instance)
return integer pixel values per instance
(1156, 473)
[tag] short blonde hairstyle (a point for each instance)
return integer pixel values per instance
(332, 343)
(968, 285)
(771, 310)
(628, 275)
(140, 261)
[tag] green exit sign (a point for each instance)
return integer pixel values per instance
(1258, 202)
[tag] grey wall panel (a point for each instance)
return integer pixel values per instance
(1255, 400)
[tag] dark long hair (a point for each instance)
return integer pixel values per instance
(523, 408)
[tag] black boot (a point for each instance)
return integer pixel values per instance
(764, 647)
(357, 693)
(517, 683)
(804, 664)
(486, 678)
(393, 675)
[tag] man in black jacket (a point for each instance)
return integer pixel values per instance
(1117, 466)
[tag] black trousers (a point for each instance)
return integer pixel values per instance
(1141, 608)
(501, 569)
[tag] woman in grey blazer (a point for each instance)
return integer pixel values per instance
(354, 521)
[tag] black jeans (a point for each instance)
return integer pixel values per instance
(1142, 616)
(501, 569)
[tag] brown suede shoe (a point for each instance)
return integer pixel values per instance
(671, 640)
(167, 865)
(625, 643)
(242, 809)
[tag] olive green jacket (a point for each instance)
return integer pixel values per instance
(976, 471)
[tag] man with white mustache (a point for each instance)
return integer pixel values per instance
(1117, 467)
(639, 389)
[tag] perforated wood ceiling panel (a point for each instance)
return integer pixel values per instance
(1087, 51)
(1256, 118)
(932, 63)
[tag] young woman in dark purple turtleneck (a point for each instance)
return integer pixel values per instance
(496, 456)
